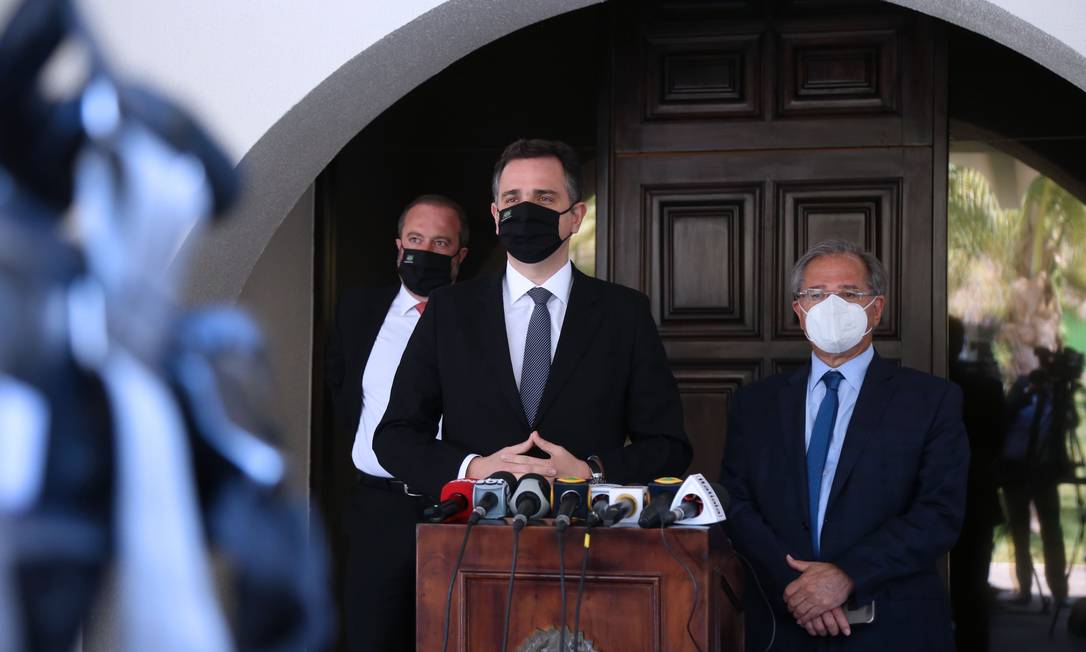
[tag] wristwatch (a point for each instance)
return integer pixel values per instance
(596, 464)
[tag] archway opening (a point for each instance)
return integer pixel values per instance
(737, 132)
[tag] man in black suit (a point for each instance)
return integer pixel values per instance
(372, 328)
(542, 370)
(847, 477)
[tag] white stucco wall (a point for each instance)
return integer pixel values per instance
(243, 63)
(1065, 20)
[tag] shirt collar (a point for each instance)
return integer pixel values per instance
(558, 284)
(854, 370)
(404, 303)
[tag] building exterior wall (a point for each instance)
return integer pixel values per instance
(284, 84)
(243, 64)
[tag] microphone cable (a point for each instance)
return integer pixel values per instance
(580, 587)
(452, 584)
(693, 580)
(768, 606)
(509, 595)
(562, 586)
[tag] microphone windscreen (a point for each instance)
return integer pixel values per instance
(536, 485)
(462, 486)
(722, 494)
(578, 486)
(510, 479)
(664, 488)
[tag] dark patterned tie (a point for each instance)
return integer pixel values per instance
(821, 435)
(537, 355)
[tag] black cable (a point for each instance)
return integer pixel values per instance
(509, 595)
(562, 587)
(580, 590)
(452, 583)
(768, 606)
(693, 580)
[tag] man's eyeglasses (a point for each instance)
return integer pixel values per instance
(812, 296)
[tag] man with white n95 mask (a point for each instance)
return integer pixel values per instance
(847, 477)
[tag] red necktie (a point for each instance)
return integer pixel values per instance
(421, 307)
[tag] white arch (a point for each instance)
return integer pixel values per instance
(289, 156)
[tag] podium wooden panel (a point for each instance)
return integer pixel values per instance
(637, 597)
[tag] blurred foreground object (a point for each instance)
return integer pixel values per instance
(134, 441)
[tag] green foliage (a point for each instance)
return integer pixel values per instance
(977, 227)
(1045, 236)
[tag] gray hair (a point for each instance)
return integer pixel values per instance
(876, 272)
(443, 202)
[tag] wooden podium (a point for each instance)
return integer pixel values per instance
(636, 597)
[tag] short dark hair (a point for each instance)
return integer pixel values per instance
(876, 272)
(444, 202)
(539, 148)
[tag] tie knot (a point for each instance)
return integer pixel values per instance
(539, 295)
(831, 379)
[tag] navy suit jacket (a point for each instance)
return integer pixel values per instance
(609, 382)
(895, 507)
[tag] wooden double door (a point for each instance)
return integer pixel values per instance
(740, 133)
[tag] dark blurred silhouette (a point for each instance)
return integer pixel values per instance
(133, 434)
(1041, 417)
(983, 414)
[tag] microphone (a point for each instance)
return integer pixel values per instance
(530, 500)
(455, 505)
(572, 494)
(661, 493)
(599, 497)
(698, 502)
(688, 508)
(625, 505)
(490, 496)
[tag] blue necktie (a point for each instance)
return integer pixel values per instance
(537, 355)
(821, 434)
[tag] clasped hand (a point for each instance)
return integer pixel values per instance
(816, 596)
(560, 462)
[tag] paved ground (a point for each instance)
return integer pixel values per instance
(1025, 627)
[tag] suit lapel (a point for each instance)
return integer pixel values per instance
(870, 406)
(793, 426)
(583, 316)
(494, 343)
(373, 311)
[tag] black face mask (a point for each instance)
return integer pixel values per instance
(529, 231)
(425, 271)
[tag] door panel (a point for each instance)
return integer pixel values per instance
(743, 135)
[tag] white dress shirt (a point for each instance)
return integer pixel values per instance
(388, 348)
(847, 392)
(518, 312)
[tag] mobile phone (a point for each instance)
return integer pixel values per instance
(861, 616)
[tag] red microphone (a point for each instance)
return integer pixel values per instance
(455, 505)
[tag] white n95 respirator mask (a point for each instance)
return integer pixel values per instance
(835, 325)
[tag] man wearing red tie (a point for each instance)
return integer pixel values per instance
(371, 330)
